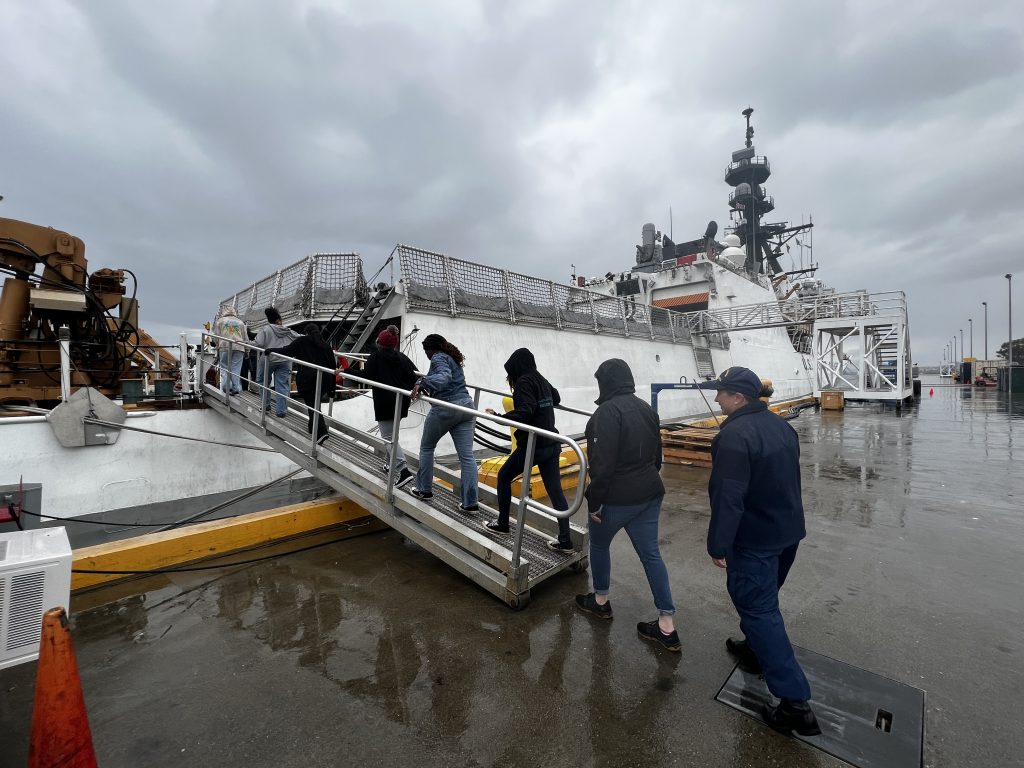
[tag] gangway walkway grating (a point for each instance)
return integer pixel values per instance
(350, 460)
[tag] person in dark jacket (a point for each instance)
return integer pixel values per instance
(312, 348)
(625, 491)
(387, 365)
(757, 522)
(533, 404)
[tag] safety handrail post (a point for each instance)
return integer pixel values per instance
(393, 451)
(524, 492)
(227, 391)
(265, 391)
(314, 416)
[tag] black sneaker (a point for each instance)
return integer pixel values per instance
(791, 716)
(404, 477)
(385, 467)
(649, 630)
(744, 655)
(557, 546)
(421, 494)
(495, 528)
(469, 508)
(589, 604)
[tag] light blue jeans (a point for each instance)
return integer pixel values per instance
(280, 381)
(386, 432)
(641, 524)
(439, 422)
(230, 363)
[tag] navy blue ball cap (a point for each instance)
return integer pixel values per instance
(737, 379)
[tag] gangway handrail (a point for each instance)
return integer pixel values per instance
(533, 432)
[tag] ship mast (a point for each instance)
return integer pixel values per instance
(749, 202)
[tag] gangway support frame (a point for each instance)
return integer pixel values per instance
(866, 357)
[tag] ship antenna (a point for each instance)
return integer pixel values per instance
(750, 131)
(671, 234)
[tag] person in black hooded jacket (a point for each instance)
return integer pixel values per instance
(626, 491)
(533, 404)
(312, 348)
(387, 365)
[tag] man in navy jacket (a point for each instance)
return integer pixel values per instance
(757, 522)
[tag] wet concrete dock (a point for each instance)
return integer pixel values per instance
(371, 652)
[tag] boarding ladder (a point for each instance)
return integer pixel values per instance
(354, 338)
(350, 461)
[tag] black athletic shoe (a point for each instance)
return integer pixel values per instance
(404, 477)
(791, 717)
(495, 528)
(468, 508)
(589, 604)
(744, 655)
(649, 630)
(557, 546)
(421, 494)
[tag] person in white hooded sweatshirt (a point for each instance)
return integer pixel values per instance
(275, 336)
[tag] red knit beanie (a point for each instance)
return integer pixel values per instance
(387, 339)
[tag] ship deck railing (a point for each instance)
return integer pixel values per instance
(797, 311)
(350, 461)
(440, 284)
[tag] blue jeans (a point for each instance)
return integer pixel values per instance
(545, 459)
(230, 363)
(641, 524)
(754, 578)
(280, 381)
(439, 422)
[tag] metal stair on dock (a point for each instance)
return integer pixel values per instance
(349, 462)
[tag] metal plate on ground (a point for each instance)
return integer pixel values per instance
(867, 720)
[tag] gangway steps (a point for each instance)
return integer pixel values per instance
(350, 465)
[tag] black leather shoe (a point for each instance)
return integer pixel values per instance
(744, 655)
(791, 717)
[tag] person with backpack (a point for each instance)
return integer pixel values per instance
(233, 334)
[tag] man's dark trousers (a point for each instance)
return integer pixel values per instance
(754, 580)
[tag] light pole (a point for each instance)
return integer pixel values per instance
(961, 345)
(970, 324)
(1009, 346)
(985, 305)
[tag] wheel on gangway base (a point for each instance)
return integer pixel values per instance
(518, 602)
(580, 565)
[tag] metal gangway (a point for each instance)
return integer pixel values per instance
(349, 460)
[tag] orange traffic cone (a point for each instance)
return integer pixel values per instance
(60, 727)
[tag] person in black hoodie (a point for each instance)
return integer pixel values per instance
(625, 491)
(388, 365)
(312, 348)
(533, 404)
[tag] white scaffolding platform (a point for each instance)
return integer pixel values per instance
(863, 349)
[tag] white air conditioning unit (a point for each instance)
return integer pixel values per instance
(35, 576)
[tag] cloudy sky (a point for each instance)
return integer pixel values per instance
(205, 144)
